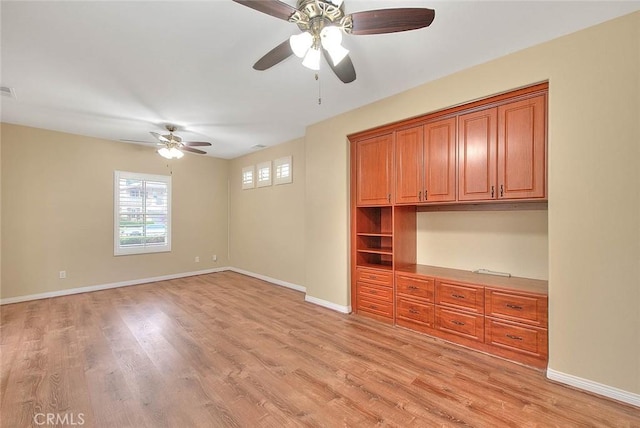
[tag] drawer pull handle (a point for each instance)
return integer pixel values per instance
(457, 296)
(412, 287)
(511, 336)
(373, 292)
(516, 307)
(373, 277)
(373, 307)
(456, 322)
(413, 311)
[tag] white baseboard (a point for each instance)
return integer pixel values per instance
(307, 298)
(327, 304)
(595, 387)
(69, 291)
(269, 279)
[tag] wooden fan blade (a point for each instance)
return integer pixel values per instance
(270, 7)
(195, 143)
(344, 70)
(274, 56)
(391, 20)
(138, 141)
(189, 149)
(160, 137)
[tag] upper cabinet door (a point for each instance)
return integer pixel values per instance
(522, 149)
(374, 170)
(409, 166)
(440, 161)
(477, 147)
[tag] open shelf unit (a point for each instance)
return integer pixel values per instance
(374, 237)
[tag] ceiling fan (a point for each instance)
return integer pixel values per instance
(172, 145)
(322, 23)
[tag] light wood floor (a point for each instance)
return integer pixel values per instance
(224, 350)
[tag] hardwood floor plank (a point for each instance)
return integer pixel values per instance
(227, 350)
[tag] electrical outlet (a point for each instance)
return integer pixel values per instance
(214, 258)
(197, 260)
(63, 274)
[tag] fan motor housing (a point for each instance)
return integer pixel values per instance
(317, 13)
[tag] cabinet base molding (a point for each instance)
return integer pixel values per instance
(594, 387)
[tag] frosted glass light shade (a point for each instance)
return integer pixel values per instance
(330, 36)
(312, 59)
(300, 43)
(171, 153)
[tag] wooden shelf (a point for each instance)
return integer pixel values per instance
(536, 286)
(383, 266)
(386, 250)
(378, 235)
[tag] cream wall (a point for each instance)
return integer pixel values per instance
(57, 211)
(266, 224)
(594, 197)
(504, 241)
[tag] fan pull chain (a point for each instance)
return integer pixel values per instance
(319, 89)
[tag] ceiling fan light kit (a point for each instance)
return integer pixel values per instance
(170, 153)
(172, 146)
(323, 23)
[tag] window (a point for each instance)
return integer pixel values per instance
(282, 170)
(264, 174)
(248, 181)
(142, 214)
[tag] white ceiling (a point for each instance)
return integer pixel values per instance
(117, 70)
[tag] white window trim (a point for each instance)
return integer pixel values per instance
(263, 165)
(252, 184)
(119, 251)
(286, 160)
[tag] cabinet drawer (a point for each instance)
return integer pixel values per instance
(460, 296)
(376, 307)
(463, 324)
(377, 292)
(375, 277)
(520, 338)
(415, 287)
(517, 307)
(414, 311)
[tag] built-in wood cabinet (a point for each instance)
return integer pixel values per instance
(477, 155)
(522, 149)
(374, 168)
(502, 151)
(504, 316)
(375, 293)
(426, 163)
(486, 152)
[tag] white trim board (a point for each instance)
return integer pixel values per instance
(69, 291)
(595, 387)
(269, 279)
(327, 304)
